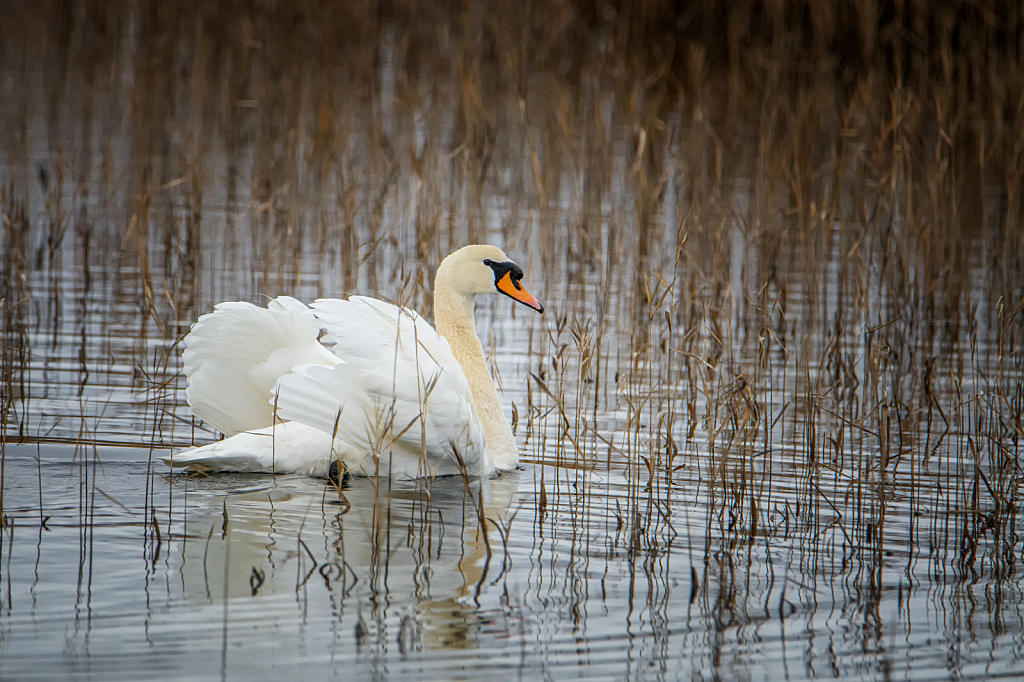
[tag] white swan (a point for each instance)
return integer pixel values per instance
(385, 394)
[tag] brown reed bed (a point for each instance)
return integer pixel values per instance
(782, 241)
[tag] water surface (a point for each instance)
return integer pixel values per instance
(770, 424)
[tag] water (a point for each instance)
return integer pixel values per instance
(770, 423)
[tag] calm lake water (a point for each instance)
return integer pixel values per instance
(770, 423)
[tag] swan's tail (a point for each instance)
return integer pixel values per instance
(235, 356)
(289, 448)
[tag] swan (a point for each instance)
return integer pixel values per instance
(363, 382)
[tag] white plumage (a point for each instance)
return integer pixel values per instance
(362, 381)
(234, 357)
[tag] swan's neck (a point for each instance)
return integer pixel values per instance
(453, 315)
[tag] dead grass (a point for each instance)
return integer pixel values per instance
(782, 242)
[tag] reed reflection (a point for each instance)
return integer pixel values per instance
(772, 424)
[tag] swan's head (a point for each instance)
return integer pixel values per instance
(484, 269)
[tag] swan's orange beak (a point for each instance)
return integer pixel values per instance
(512, 288)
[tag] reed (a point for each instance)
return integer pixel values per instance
(781, 242)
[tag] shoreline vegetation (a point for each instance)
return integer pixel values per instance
(781, 245)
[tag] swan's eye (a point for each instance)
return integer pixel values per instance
(487, 262)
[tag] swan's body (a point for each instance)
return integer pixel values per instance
(385, 393)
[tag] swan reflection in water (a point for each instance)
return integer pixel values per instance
(408, 554)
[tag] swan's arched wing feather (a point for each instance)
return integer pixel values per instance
(220, 394)
(418, 393)
(335, 400)
(331, 401)
(398, 351)
(234, 356)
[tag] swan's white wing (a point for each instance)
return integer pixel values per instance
(408, 369)
(334, 402)
(399, 389)
(235, 356)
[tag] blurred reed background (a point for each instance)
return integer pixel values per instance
(781, 245)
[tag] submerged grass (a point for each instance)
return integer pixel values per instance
(781, 244)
